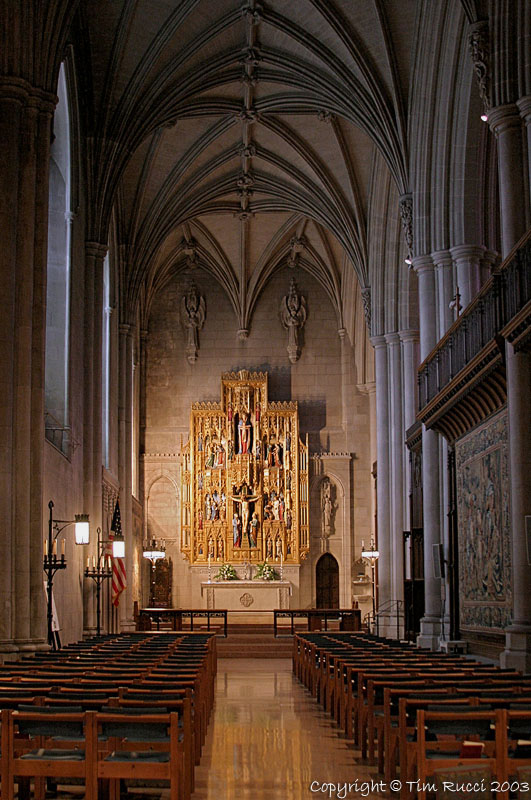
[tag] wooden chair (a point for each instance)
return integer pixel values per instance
(144, 747)
(44, 755)
(440, 738)
(162, 704)
(515, 742)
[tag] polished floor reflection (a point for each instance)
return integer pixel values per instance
(269, 739)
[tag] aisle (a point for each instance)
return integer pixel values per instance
(268, 739)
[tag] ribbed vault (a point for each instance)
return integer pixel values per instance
(243, 136)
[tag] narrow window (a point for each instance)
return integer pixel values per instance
(58, 278)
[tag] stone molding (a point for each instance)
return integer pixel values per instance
(503, 118)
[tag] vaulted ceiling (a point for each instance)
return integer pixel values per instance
(242, 136)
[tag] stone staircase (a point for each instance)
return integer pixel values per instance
(253, 641)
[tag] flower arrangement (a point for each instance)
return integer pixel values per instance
(266, 572)
(226, 573)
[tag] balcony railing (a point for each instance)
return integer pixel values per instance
(503, 298)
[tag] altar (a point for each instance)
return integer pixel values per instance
(246, 595)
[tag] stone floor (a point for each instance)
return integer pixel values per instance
(269, 740)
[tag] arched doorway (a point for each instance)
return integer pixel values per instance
(327, 581)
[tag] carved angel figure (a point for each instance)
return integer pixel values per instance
(193, 313)
(293, 316)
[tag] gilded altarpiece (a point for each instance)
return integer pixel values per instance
(244, 474)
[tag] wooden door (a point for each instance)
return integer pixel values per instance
(327, 581)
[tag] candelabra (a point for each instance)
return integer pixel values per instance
(99, 572)
(52, 564)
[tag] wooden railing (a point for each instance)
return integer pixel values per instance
(505, 295)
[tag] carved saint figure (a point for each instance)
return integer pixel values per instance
(193, 313)
(293, 316)
(236, 531)
(253, 532)
(327, 507)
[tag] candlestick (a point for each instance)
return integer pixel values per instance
(54, 548)
(63, 542)
(88, 562)
(46, 547)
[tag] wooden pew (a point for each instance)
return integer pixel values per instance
(43, 756)
(450, 730)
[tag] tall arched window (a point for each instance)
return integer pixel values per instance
(106, 362)
(58, 277)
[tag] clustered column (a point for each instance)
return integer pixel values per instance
(125, 428)
(25, 125)
(383, 478)
(430, 626)
(506, 123)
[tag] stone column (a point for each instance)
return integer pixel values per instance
(25, 121)
(506, 124)
(92, 410)
(38, 624)
(517, 652)
(396, 439)
(430, 626)
(445, 290)
(505, 121)
(125, 428)
(468, 262)
(346, 388)
(383, 451)
(410, 360)
(142, 415)
(488, 261)
(524, 104)
(12, 100)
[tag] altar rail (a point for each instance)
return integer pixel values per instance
(148, 616)
(349, 618)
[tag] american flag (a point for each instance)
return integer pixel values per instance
(119, 579)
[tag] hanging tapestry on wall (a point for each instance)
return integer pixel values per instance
(244, 476)
(484, 530)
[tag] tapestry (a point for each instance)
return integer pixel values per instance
(485, 570)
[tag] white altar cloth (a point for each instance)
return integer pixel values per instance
(246, 595)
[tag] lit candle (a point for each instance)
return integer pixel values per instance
(88, 562)
(46, 547)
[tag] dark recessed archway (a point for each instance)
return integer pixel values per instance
(327, 582)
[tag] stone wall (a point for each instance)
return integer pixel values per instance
(333, 413)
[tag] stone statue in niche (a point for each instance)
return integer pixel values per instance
(293, 316)
(328, 507)
(193, 313)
